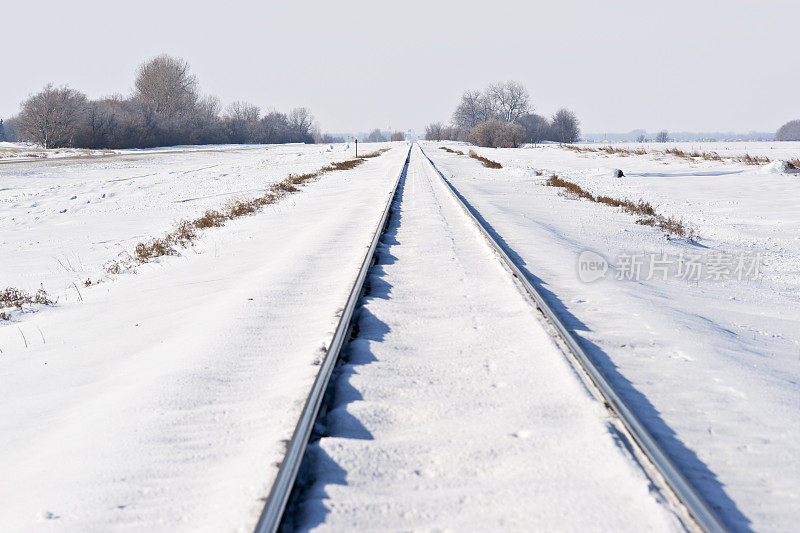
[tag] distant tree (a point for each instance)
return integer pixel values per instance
(274, 128)
(565, 127)
(662, 136)
(471, 110)
(52, 118)
(641, 138)
(327, 138)
(398, 136)
(165, 85)
(536, 127)
(789, 131)
(376, 136)
(433, 131)
(497, 133)
(301, 124)
(2, 131)
(240, 122)
(510, 99)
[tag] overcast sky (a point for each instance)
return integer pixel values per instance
(688, 65)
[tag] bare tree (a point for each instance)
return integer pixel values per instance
(52, 117)
(241, 121)
(165, 85)
(301, 122)
(536, 127)
(511, 99)
(471, 110)
(789, 131)
(376, 136)
(274, 128)
(398, 136)
(565, 126)
(433, 131)
(662, 136)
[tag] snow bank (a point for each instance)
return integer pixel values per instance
(781, 167)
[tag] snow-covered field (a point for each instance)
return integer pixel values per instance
(712, 366)
(62, 220)
(160, 400)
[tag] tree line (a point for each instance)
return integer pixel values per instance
(165, 108)
(502, 116)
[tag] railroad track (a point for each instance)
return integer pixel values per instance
(696, 513)
(275, 506)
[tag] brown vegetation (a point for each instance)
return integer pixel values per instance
(450, 150)
(649, 216)
(488, 163)
(16, 298)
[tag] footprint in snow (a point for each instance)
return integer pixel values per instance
(74, 198)
(63, 211)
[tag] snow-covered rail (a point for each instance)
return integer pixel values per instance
(694, 504)
(275, 506)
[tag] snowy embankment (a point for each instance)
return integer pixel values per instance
(455, 409)
(705, 350)
(160, 399)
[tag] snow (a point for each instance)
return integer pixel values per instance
(780, 167)
(455, 409)
(711, 367)
(162, 399)
(62, 220)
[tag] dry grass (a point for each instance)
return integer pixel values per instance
(16, 298)
(610, 150)
(692, 156)
(376, 153)
(450, 150)
(794, 163)
(649, 216)
(488, 163)
(187, 231)
(210, 219)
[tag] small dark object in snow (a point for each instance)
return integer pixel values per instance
(618, 173)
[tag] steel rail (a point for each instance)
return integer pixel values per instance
(697, 507)
(275, 506)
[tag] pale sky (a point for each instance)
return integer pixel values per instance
(684, 65)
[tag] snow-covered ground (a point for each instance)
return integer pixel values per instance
(771, 149)
(712, 366)
(14, 152)
(456, 410)
(161, 399)
(62, 220)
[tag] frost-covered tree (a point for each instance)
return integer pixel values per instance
(240, 122)
(301, 124)
(375, 136)
(662, 136)
(166, 86)
(398, 136)
(536, 127)
(53, 117)
(510, 99)
(565, 127)
(789, 131)
(434, 131)
(471, 110)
